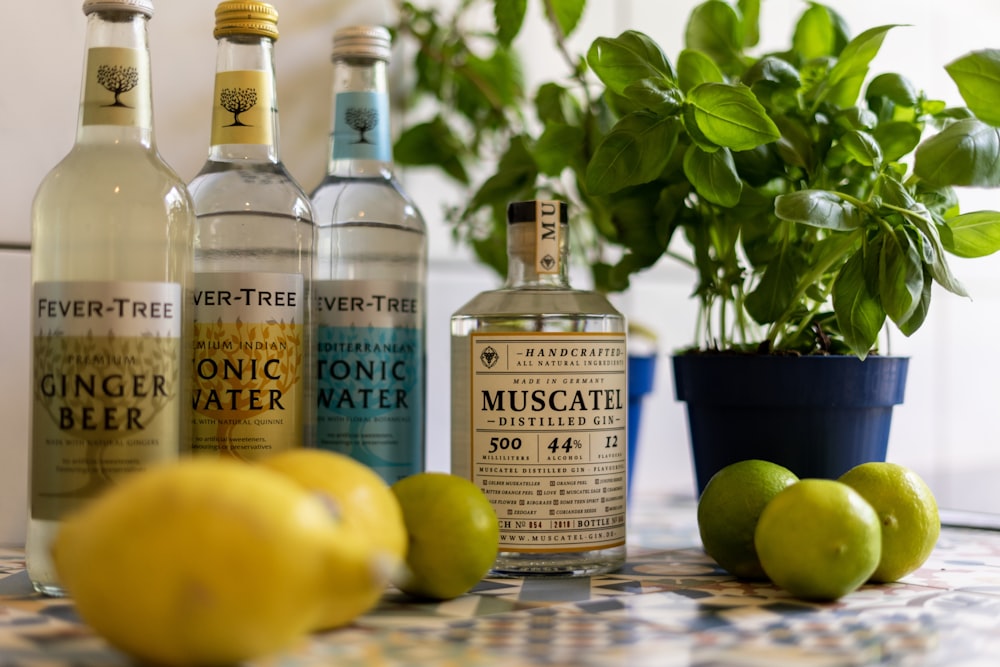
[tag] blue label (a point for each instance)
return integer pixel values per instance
(361, 127)
(370, 401)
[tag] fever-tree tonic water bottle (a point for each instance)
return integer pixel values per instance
(371, 263)
(539, 406)
(253, 258)
(111, 270)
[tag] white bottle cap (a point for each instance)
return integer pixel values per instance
(362, 41)
(140, 6)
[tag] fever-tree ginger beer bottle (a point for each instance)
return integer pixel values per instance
(539, 406)
(111, 269)
(370, 275)
(253, 258)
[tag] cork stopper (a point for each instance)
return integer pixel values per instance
(246, 17)
(542, 242)
(362, 41)
(138, 6)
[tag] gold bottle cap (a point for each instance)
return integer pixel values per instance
(139, 6)
(362, 41)
(246, 17)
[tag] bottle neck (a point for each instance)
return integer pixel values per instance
(245, 103)
(360, 137)
(116, 102)
(536, 258)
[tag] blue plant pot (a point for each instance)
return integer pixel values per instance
(818, 416)
(641, 372)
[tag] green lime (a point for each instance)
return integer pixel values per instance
(729, 508)
(907, 511)
(818, 539)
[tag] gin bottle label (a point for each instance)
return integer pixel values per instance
(247, 385)
(106, 387)
(369, 360)
(244, 101)
(361, 127)
(116, 88)
(549, 437)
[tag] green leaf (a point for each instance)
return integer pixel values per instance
(629, 57)
(636, 150)
(730, 116)
(715, 28)
(862, 147)
(433, 144)
(514, 178)
(555, 104)
(859, 313)
(977, 75)
(819, 32)
(567, 14)
(894, 87)
(509, 16)
(817, 208)
(967, 152)
(848, 75)
(713, 175)
(559, 147)
(938, 267)
(750, 9)
(900, 276)
(694, 67)
(658, 95)
(897, 139)
(775, 291)
(972, 234)
(916, 319)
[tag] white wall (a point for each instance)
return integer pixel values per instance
(945, 430)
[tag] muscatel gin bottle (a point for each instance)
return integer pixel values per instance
(539, 406)
(370, 275)
(112, 228)
(253, 258)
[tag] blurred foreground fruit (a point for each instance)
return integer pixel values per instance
(818, 539)
(907, 511)
(367, 508)
(454, 535)
(729, 508)
(205, 562)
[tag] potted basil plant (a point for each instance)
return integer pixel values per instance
(815, 202)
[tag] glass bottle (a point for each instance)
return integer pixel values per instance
(253, 258)
(370, 275)
(112, 228)
(539, 406)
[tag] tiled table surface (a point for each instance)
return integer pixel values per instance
(669, 606)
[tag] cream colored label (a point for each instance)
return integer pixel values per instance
(105, 386)
(116, 88)
(247, 385)
(549, 437)
(547, 237)
(244, 101)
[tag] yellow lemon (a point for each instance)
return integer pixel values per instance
(818, 539)
(454, 534)
(366, 507)
(205, 561)
(907, 511)
(729, 508)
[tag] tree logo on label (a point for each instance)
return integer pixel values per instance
(237, 101)
(117, 79)
(362, 119)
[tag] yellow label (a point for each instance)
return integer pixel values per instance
(547, 237)
(244, 102)
(247, 388)
(116, 88)
(549, 437)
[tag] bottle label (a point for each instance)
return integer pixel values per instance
(116, 88)
(549, 437)
(370, 364)
(547, 238)
(361, 127)
(244, 103)
(247, 387)
(106, 387)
